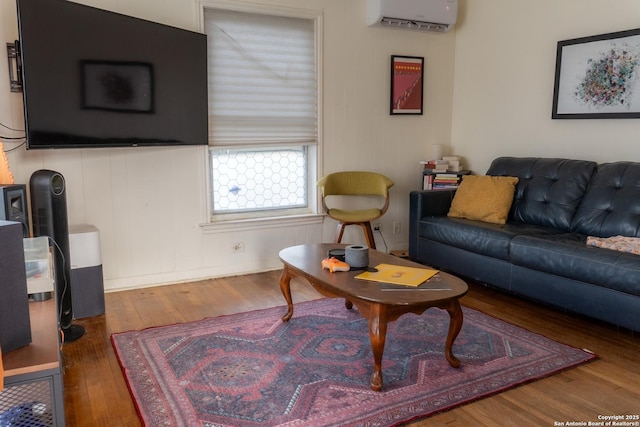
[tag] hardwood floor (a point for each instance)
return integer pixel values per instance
(97, 395)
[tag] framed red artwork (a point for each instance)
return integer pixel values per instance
(407, 74)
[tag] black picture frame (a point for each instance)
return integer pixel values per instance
(117, 86)
(407, 85)
(598, 77)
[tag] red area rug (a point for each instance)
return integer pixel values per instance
(251, 369)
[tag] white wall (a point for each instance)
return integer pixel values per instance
(504, 76)
(149, 203)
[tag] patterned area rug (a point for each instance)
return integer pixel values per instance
(251, 369)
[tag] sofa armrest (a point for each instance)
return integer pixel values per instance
(425, 203)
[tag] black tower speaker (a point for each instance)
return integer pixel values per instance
(49, 216)
(13, 205)
(15, 325)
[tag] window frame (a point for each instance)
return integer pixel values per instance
(310, 214)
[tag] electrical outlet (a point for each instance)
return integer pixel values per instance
(377, 227)
(396, 227)
(237, 247)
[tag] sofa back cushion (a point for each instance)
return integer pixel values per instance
(549, 191)
(611, 205)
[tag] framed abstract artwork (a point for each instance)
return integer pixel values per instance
(597, 77)
(407, 74)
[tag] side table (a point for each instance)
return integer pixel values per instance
(33, 380)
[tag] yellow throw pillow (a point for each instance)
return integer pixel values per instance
(484, 198)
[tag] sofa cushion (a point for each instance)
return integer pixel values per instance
(484, 198)
(610, 206)
(567, 255)
(549, 190)
(476, 236)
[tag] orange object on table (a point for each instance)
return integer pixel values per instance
(334, 264)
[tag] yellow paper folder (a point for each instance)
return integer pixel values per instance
(398, 275)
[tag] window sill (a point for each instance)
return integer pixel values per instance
(261, 223)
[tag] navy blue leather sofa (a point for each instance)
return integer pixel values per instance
(541, 251)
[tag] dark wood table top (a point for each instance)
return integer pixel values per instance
(44, 351)
(306, 260)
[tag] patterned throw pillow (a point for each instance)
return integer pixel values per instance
(616, 243)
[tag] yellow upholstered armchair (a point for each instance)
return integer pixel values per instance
(340, 192)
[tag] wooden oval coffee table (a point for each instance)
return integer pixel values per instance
(373, 299)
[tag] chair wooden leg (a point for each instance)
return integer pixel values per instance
(340, 232)
(368, 234)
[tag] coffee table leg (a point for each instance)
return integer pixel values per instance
(455, 324)
(285, 287)
(377, 336)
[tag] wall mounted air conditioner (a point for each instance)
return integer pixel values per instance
(420, 15)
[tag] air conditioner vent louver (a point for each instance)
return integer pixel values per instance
(414, 25)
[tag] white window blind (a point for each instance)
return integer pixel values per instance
(262, 79)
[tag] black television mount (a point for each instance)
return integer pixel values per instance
(15, 66)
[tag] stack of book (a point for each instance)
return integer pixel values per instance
(440, 181)
(447, 164)
(435, 165)
(453, 163)
(445, 180)
(442, 174)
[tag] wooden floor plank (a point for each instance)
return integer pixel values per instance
(96, 393)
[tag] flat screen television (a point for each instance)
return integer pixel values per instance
(95, 78)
